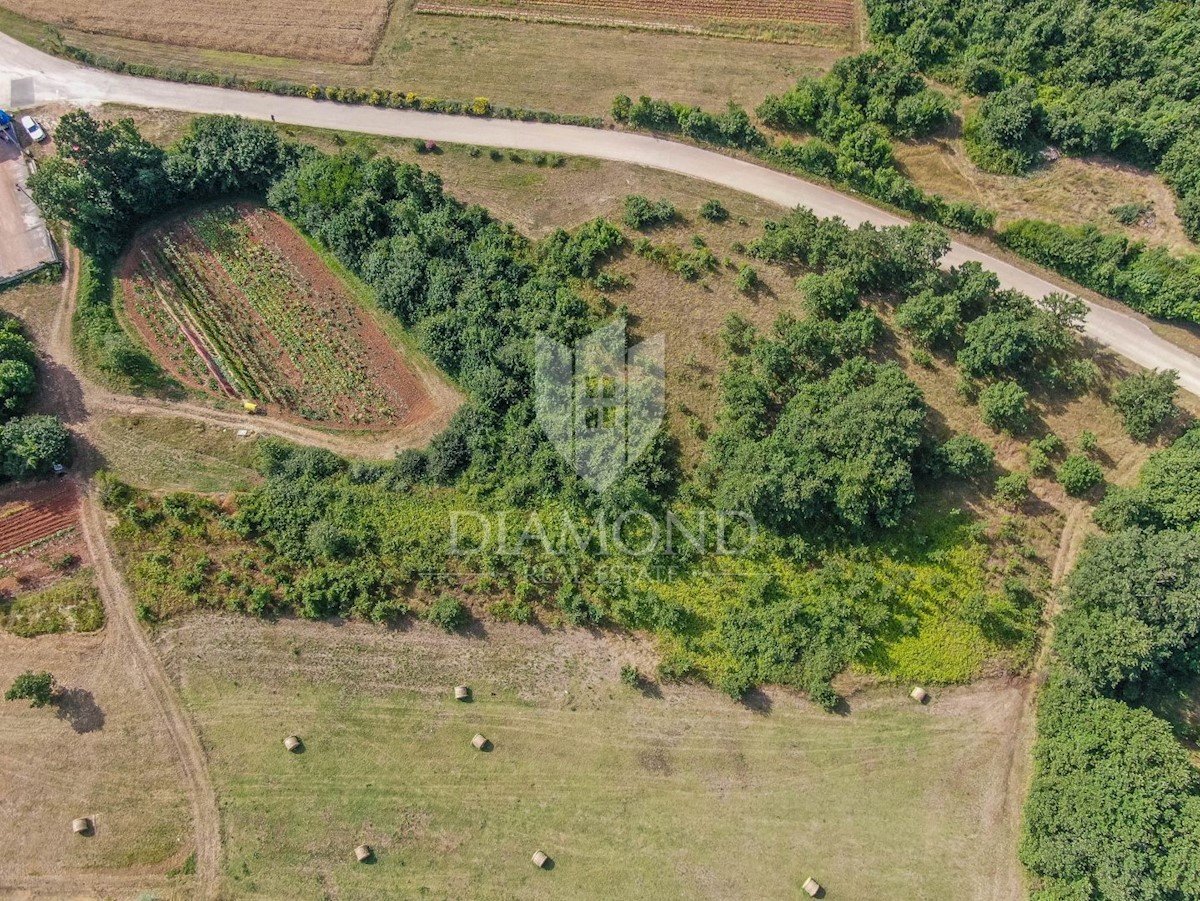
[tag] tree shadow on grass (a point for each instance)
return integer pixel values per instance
(78, 708)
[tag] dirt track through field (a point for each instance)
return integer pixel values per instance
(126, 634)
(123, 637)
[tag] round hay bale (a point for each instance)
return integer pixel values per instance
(919, 695)
(81, 826)
(539, 859)
(462, 692)
(812, 887)
(292, 743)
(480, 743)
(363, 853)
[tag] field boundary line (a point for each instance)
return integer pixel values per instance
(449, 10)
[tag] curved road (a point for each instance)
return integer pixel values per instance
(61, 80)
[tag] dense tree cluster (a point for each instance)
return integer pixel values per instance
(1104, 77)
(870, 88)
(17, 374)
(1114, 811)
(1115, 807)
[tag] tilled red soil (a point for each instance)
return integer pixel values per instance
(30, 513)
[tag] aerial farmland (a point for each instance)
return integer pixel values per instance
(562, 449)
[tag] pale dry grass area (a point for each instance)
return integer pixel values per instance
(1069, 191)
(102, 753)
(333, 30)
(831, 22)
(675, 792)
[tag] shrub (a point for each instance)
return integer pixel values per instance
(631, 676)
(1012, 489)
(747, 280)
(31, 445)
(1079, 474)
(965, 456)
(1146, 402)
(1004, 406)
(642, 213)
(1129, 213)
(1088, 442)
(447, 612)
(36, 688)
(714, 211)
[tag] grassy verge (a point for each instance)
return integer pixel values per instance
(72, 605)
(176, 454)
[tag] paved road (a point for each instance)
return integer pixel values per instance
(57, 79)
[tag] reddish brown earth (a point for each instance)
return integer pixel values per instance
(29, 513)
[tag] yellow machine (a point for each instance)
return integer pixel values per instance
(250, 407)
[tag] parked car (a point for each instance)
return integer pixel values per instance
(33, 129)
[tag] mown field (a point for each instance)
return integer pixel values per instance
(819, 21)
(682, 794)
(101, 752)
(335, 30)
(232, 301)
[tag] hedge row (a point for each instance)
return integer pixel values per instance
(870, 171)
(1151, 280)
(480, 106)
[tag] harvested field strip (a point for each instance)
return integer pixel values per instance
(774, 19)
(44, 511)
(233, 301)
(331, 30)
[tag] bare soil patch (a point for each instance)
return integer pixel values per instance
(31, 514)
(334, 30)
(233, 302)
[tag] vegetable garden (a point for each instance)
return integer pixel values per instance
(233, 302)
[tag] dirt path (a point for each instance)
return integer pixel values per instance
(76, 403)
(126, 634)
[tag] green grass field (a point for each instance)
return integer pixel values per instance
(176, 454)
(683, 795)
